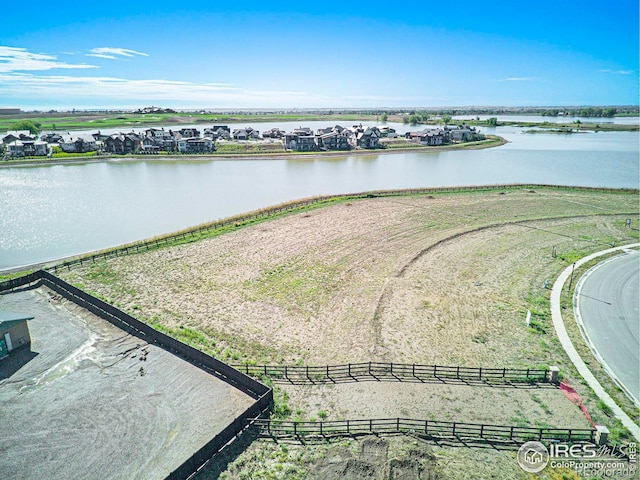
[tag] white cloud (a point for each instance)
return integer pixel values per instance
(114, 53)
(20, 60)
(617, 72)
(519, 79)
(109, 90)
(101, 55)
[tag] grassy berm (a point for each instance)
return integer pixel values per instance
(444, 278)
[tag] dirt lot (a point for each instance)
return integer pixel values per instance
(442, 278)
(87, 400)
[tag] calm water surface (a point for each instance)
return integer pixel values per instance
(49, 212)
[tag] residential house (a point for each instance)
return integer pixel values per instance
(369, 138)
(240, 134)
(149, 145)
(303, 131)
(247, 133)
(333, 141)
(432, 137)
(388, 132)
(218, 132)
(462, 133)
(189, 132)
(80, 144)
(196, 145)
(300, 143)
(123, 144)
(156, 139)
(273, 133)
(51, 137)
(13, 135)
(27, 148)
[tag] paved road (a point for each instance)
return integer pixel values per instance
(607, 300)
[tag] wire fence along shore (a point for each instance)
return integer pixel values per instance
(198, 231)
(378, 371)
(431, 429)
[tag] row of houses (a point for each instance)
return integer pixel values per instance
(442, 136)
(334, 138)
(192, 140)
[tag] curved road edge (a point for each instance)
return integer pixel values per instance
(587, 339)
(567, 345)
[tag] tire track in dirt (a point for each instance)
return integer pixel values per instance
(387, 291)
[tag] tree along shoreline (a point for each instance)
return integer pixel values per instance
(84, 120)
(489, 142)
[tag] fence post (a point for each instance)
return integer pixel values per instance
(369, 368)
(295, 428)
(321, 428)
(511, 433)
(480, 373)
(348, 429)
(454, 429)
(398, 424)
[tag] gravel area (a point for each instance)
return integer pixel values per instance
(87, 400)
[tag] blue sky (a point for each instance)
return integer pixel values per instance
(322, 54)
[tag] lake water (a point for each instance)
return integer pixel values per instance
(48, 212)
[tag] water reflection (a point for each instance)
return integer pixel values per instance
(53, 211)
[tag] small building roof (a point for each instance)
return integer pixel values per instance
(9, 319)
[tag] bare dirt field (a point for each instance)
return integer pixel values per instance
(88, 400)
(440, 278)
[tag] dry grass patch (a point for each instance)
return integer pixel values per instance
(441, 278)
(366, 280)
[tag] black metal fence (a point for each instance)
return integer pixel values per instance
(426, 428)
(124, 321)
(204, 229)
(354, 372)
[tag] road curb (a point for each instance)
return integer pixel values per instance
(569, 348)
(585, 335)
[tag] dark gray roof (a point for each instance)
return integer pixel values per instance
(9, 319)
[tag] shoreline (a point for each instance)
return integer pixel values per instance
(491, 142)
(274, 211)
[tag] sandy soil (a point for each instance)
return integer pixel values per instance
(542, 406)
(90, 401)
